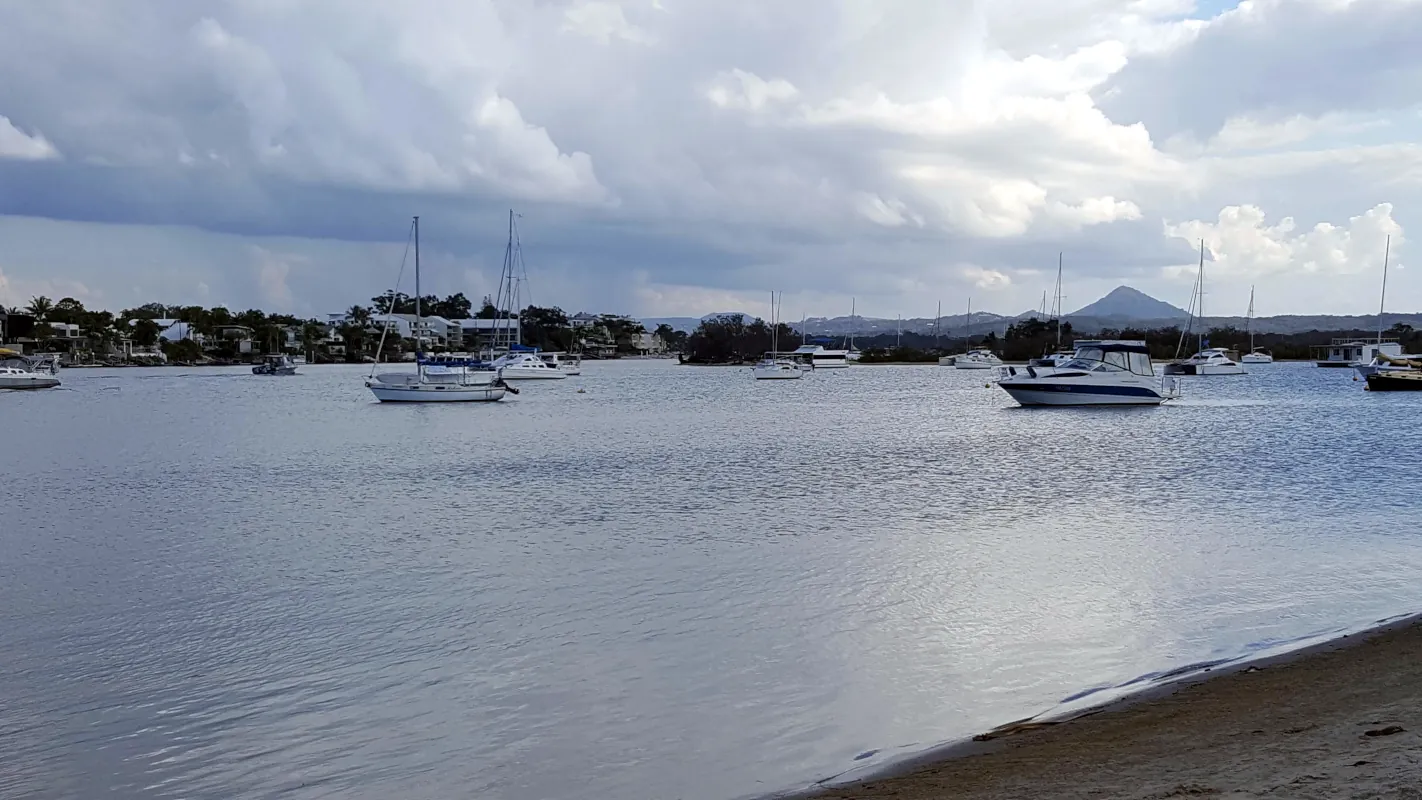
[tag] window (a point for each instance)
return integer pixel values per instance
(1117, 358)
(1140, 364)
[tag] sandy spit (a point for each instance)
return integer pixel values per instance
(1338, 720)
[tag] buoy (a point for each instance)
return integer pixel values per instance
(582, 391)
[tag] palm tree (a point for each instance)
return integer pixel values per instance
(359, 315)
(40, 307)
(311, 335)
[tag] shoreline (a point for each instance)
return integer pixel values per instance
(1329, 718)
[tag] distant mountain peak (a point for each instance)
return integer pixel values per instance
(1127, 303)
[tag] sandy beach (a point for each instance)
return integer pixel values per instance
(1342, 719)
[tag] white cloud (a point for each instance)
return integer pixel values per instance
(1242, 243)
(17, 292)
(715, 149)
(272, 271)
(737, 88)
(602, 21)
(16, 144)
(989, 279)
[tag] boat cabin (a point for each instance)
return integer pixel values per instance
(1111, 356)
(1352, 352)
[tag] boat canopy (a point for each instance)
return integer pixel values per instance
(1117, 347)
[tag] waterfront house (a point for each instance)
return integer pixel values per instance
(480, 335)
(582, 319)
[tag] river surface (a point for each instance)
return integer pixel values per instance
(680, 583)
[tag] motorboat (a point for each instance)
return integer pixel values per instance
(44, 363)
(773, 368)
(1053, 360)
(1354, 352)
(438, 380)
(946, 361)
(817, 357)
(1211, 361)
(276, 365)
(527, 366)
(1101, 372)
(22, 377)
(1257, 356)
(567, 363)
(977, 359)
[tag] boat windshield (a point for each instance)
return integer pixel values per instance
(1099, 360)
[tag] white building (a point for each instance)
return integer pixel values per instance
(582, 319)
(395, 322)
(479, 335)
(648, 344)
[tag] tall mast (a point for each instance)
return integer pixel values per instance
(1249, 318)
(938, 325)
(417, 289)
(853, 322)
(1058, 301)
(773, 346)
(1387, 250)
(968, 327)
(1200, 307)
(899, 341)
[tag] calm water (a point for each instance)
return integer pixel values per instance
(678, 584)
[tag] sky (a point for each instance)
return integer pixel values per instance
(685, 157)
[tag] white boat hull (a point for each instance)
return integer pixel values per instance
(1064, 395)
(777, 374)
(960, 364)
(387, 393)
(1255, 359)
(1204, 369)
(32, 380)
(523, 374)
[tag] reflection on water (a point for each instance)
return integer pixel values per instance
(682, 583)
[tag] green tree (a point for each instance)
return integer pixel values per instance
(183, 350)
(674, 339)
(358, 314)
(40, 307)
(68, 311)
(312, 333)
(354, 338)
(145, 332)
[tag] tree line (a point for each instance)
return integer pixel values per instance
(359, 331)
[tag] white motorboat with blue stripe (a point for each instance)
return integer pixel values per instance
(1102, 372)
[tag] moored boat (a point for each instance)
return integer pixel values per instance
(446, 380)
(276, 365)
(1101, 372)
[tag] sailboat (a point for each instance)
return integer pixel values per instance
(521, 362)
(448, 381)
(1256, 355)
(772, 367)
(1059, 356)
(975, 359)
(1387, 355)
(852, 353)
(1208, 360)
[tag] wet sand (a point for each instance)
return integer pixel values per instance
(1337, 720)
